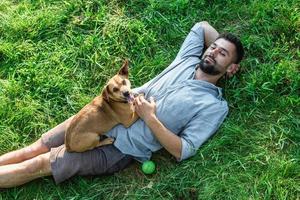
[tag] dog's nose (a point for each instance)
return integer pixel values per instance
(126, 94)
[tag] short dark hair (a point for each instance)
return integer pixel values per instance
(238, 45)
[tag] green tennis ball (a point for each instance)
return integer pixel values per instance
(148, 167)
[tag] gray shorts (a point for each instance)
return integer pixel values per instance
(102, 160)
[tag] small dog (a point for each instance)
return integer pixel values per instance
(113, 106)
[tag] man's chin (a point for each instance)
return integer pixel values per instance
(208, 68)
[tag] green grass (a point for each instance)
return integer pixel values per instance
(56, 55)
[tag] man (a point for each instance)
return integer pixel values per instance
(184, 109)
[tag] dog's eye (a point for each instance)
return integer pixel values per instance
(124, 82)
(115, 89)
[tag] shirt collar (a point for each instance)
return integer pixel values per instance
(217, 91)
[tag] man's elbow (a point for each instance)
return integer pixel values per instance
(178, 157)
(204, 24)
(178, 153)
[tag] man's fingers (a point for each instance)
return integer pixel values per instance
(152, 101)
(142, 99)
(138, 102)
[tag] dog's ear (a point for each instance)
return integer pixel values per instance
(124, 69)
(105, 94)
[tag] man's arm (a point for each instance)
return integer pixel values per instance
(170, 141)
(210, 33)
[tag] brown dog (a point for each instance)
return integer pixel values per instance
(112, 107)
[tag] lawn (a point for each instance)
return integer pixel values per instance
(55, 56)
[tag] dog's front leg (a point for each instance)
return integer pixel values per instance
(130, 120)
(106, 141)
(86, 141)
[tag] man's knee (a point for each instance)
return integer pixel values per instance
(36, 148)
(39, 146)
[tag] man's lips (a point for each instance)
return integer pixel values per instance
(210, 60)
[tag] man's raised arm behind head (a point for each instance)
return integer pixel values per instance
(210, 33)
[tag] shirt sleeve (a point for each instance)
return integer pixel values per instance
(201, 128)
(141, 89)
(193, 44)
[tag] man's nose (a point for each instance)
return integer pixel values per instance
(215, 51)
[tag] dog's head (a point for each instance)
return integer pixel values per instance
(118, 87)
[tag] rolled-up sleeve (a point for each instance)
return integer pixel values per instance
(201, 128)
(193, 44)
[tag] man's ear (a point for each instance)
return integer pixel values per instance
(105, 94)
(232, 69)
(124, 69)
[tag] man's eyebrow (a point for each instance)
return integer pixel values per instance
(222, 48)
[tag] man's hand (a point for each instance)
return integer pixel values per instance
(143, 108)
(170, 141)
(210, 33)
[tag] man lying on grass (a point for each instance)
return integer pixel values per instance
(188, 109)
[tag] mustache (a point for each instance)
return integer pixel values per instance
(211, 57)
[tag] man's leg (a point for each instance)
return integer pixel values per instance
(20, 173)
(34, 149)
(63, 165)
(25, 153)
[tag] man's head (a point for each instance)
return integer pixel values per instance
(226, 50)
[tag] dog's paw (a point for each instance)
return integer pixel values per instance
(110, 140)
(106, 141)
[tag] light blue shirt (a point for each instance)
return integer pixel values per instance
(190, 108)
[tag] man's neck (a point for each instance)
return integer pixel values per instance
(200, 75)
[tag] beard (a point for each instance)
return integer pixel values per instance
(207, 68)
